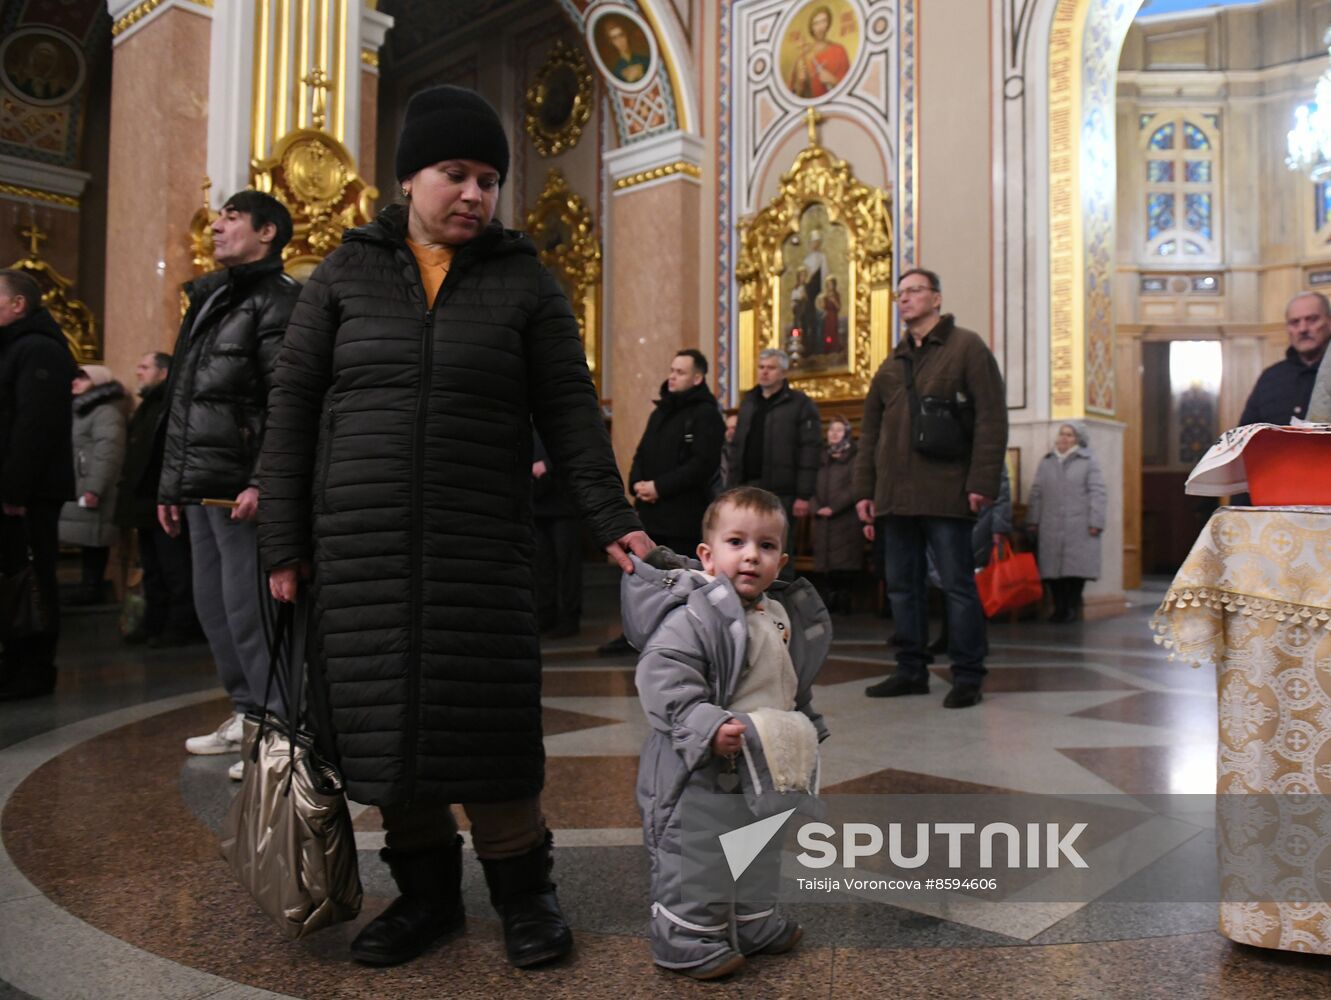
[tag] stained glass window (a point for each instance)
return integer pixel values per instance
(1182, 175)
(1322, 204)
(1159, 214)
(1159, 171)
(1197, 214)
(1144, 120)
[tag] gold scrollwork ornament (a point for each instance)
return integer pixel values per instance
(564, 232)
(559, 101)
(315, 177)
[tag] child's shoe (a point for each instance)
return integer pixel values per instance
(722, 964)
(783, 942)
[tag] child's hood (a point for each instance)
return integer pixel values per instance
(650, 593)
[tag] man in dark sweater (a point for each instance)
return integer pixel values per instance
(1283, 390)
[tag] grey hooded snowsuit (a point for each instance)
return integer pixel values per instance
(694, 639)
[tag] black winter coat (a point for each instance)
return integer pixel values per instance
(1282, 392)
(549, 494)
(838, 541)
(680, 451)
(136, 495)
(220, 379)
(36, 420)
(792, 443)
(398, 460)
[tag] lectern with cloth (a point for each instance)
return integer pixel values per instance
(1253, 599)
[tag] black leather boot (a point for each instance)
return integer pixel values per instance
(429, 909)
(520, 889)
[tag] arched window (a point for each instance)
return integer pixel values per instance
(1322, 214)
(1181, 157)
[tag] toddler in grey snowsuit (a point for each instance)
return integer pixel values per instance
(729, 656)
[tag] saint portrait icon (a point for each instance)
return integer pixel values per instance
(622, 46)
(819, 48)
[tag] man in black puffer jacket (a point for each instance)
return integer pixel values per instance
(397, 476)
(36, 467)
(674, 470)
(778, 442)
(211, 436)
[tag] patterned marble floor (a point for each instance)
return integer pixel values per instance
(110, 883)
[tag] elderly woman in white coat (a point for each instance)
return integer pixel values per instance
(1066, 510)
(99, 451)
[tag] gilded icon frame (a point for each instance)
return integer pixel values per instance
(819, 178)
(551, 140)
(562, 227)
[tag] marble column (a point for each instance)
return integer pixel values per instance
(157, 162)
(652, 276)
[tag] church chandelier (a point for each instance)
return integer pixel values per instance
(1309, 141)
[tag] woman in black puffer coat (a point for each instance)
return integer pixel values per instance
(397, 467)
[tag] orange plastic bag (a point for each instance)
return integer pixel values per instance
(1010, 581)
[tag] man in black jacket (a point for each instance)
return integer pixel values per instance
(778, 442)
(1283, 390)
(673, 476)
(36, 467)
(168, 588)
(211, 437)
(676, 470)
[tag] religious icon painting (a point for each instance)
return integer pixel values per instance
(623, 47)
(42, 66)
(819, 46)
(815, 297)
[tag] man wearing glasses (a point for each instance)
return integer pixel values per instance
(933, 442)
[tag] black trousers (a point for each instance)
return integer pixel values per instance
(31, 661)
(558, 571)
(168, 582)
(498, 829)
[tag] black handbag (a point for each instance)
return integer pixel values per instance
(939, 427)
(24, 611)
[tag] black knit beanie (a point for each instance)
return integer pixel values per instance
(450, 123)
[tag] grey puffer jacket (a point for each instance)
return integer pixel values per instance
(1067, 500)
(99, 451)
(694, 643)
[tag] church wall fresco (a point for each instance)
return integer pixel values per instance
(852, 60)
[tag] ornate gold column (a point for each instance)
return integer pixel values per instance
(652, 275)
(1129, 383)
(158, 149)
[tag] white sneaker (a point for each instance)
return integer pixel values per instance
(236, 772)
(226, 738)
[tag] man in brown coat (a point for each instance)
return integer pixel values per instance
(931, 456)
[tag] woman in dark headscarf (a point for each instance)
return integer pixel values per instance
(397, 467)
(838, 541)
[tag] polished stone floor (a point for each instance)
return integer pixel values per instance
(111, 885)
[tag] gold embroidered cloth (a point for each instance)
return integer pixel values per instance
(1253, 599)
